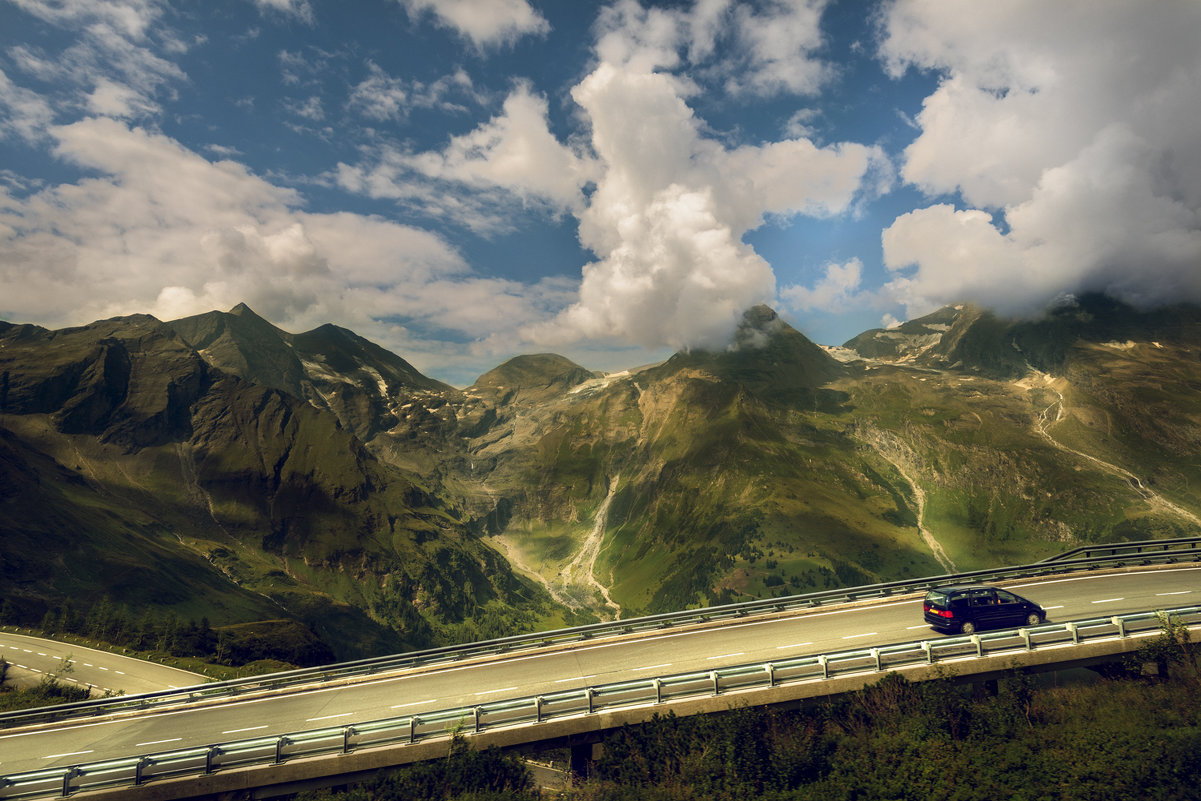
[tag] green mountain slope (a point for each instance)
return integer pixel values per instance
(127, 454)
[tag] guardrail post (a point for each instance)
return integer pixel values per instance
(1075, 630)
(208, 758)
(280, 742)
(1120, 622)
(976, 641)
(875, 652)
(412, 730)
(537, 708)
(347, 733)
(143, 762)
(928, 651)
(71, 773)
(771, 674)
(713, 678)
(475, 718)
(1026, 639)
(588, 696)
(658, 685)
(824, 661)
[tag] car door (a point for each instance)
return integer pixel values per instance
(1010, 609)
(984, 608)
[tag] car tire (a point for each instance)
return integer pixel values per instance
(968, 628)
(1033, 619)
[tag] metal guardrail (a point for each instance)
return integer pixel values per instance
(204, 760)
(1114, 555)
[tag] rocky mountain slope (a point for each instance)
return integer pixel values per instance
(218, 465)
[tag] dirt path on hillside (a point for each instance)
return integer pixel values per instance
(893, 450)
(1150, 496)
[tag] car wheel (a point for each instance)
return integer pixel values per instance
(1033, 619)
(968, 628)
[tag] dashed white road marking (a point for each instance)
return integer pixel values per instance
(1049, 608)
(857, 636)
(794, 645)
(330, 717)
(1108, 600)
(576, 678)
(73, 753)
(493, 692)
(1181, 592)
(726, 656)
(158, 742)
(416, 703)
(249, 728)
(650, 667)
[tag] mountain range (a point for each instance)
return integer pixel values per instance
(219, 466)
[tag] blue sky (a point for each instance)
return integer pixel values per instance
(466, 180)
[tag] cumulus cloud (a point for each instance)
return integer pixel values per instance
(671, 205)
(837, 291)
(484, 22)
(1070, 132)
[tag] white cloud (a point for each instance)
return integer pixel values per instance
(778, 43)
(837, 291)
(301, 9)
(22, 112)
(132, 18)
(379, 96)
(484, 22)
(671, 206)
(1075, 123)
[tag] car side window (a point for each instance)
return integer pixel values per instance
(1006, 597)
(982, 598)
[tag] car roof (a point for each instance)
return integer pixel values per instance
(963, 587)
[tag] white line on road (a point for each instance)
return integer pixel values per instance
(1181, 592)
(416, 703)
(249, 728)
(794, 645)
(650, 667)
(1108, 600)
(726, 656)
(329, 717)
(158, 742)
(577, 678)
(914, 628)
(1049, 608)
(492, 692)
(857, 636)
(73, 753)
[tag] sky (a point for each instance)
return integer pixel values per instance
(462, 181)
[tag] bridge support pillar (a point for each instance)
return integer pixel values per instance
(583, 756)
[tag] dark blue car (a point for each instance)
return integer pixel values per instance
(967, 608)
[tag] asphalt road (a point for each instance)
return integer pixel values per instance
(30, 658)
(597, 662)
